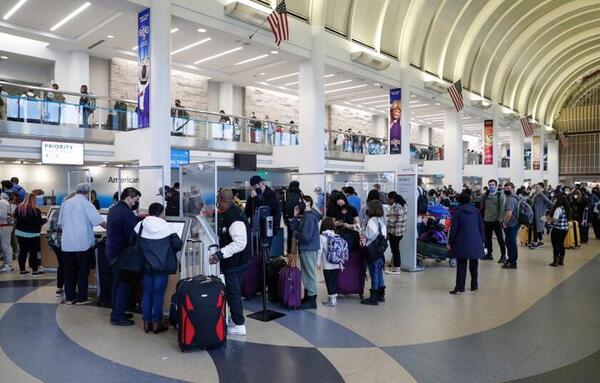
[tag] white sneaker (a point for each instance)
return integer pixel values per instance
(394, 270)
(6, 269)
(230, 323)
(237, 330)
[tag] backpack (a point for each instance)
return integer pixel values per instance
(377, 248)
(422, 203)
(337, 250)
(524, 212)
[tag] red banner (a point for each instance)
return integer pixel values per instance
(488, 142)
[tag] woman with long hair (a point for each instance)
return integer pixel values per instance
(346, 219)
(560, 227)
(396, 227)
(28, 226)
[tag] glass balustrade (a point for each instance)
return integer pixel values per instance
(421, 152)
(349, 142)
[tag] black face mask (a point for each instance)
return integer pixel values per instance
(258, 191)
(507, 192)
(135, 206)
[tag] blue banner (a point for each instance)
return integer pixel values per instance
(395, 121)
(144, 68)
(179, 157)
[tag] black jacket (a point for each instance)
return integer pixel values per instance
(231, 239)
(266, 198)
(31, 222)
(159, 244)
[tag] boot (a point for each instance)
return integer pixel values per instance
(372, 300)
(305, 296)
(147, 327)
(561, 260)
(554, 262)
(158, 327)
(331, 301)
(310, 303)
(381, 294)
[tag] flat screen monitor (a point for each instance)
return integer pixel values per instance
(62, 153)
(244, 161)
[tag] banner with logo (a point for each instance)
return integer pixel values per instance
(488, 142)
(535, 152)
(144, 68)
(395, 121)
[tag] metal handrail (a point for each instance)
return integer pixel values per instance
(354, 134)
(232, 117)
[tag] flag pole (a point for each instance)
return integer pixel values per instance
(256, 30)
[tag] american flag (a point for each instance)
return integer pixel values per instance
(563, 140)
(455, 91)
(527, 127)
(279, 23)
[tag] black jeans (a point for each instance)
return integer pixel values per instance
(121, 290)
(558, 242)
(60, 270)
(76, 272)
(331, 280)
(461, 273)
(233, 295)
(31, 247)
(490, 228)
(395, 248)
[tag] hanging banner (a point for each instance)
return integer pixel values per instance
(535, 153)
(488, 142)
(144, 68)
(395, 118)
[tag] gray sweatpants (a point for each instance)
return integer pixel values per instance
(308, 264)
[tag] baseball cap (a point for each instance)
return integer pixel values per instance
(254, 180)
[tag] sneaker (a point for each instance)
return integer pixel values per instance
(66, 302)
(237, 330)
(122, 322)
(394, 271)
(456, 292)
(59, 292)
(24, 272)
(6, 269)
(230, 323)
(83, 303)
(509, 266)
(502, 260)
(38, 272)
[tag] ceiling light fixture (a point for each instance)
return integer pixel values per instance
(346, 88)
(191, 46)
(419, 105)
(262, 73)
(376, 84)
(329, 75)
(218, 55)
(110, 36)
(201, 30)
(174, 30)
(274, 52)
(292, 83)
(70, 16)
(284, 76)
(338, 82)
(372, 102)
(369, 98)
(252, 59)
(134, 48)
(15, 8)
(4, 57)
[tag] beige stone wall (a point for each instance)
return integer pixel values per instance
(344, 118)
(190, 88)
(437, 137)
(278, 106)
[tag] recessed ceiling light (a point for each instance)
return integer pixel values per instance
(70, 16)
(437, 103)
(283, 76)
(201, 30)
(372, 102)
(174, 30)
(419, 105)
(274, 52)
(338, 82)
(262, 73)
(110, 36)
(252, 59)
(4, 57)
(134, 48)
(369, 98)
(292, 83)
(15, 8)
(329, 75)
(191, 46)
(376, 84)
(218, 55)
(346, 88)
(412, 95)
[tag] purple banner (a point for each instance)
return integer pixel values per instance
(144, 68)
(395, 121)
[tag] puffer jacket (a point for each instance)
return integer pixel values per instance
(159, 243)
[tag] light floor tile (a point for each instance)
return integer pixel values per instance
(44, 294)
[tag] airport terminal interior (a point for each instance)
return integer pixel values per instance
(299, 191)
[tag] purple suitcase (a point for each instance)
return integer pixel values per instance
(290, 287)
(352, 279)
(252, 278)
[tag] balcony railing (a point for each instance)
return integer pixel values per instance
(421, 152)
(349, 142)
(471, 157)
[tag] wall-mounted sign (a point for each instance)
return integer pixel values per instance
(179, 157)
(144, 68)
(62, 153)
(535, 152)
(488, 142)
(395, 118)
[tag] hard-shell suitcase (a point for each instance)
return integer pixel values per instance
(290, 285)
(572, 238)
(524, 235)
(277, 244)
(351, 280)
(252, 278)
(274, 266)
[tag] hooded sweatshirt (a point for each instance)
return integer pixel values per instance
(307, 227)
(158, 242)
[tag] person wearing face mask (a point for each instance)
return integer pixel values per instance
(596, 211)
(262, 195)
(493, 202)
(346, 219)
(580, 212)
(121, 222)
(540, 203)
(510, 224)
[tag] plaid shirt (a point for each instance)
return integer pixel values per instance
(397, 218)
(562, 222)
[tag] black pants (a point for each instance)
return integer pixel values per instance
(596, 224)
(60, 270)
(558, 243)
(233, 295)
(490, 228)
(331, 280)
(461, 273)
(121, 290)
(395, 248)
(290, 237)
(77, 270)
(29, 247)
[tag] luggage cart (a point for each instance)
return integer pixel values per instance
(429, 250)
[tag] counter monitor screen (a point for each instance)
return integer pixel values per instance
(178, 226)
(244, 161)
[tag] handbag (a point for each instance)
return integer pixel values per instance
(377, 248)
(132, 258)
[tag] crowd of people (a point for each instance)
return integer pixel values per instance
(350, 141)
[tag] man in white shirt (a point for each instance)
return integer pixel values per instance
(6, 228)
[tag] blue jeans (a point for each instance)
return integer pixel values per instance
(376, 274)
(154, 286)
(510, 237)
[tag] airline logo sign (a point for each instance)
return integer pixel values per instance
(62, 153)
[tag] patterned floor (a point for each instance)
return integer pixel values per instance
(534, 324)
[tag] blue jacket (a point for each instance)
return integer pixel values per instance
(120, 223)
(354, 201)
(20, 191)
(307, 229)
(466, 233)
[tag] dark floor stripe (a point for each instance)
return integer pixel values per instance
(11, 295)
(561, 328)
(25, 283)
(586, 370)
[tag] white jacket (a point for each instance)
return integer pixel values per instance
(372, 230)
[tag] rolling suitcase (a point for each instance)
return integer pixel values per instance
(201, 311)
(252, 278)
(351, 280)
(572, 238)
(277, 244)
(524, 235)
(290, 285)
(274, 266)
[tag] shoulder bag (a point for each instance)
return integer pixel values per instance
(132, 258)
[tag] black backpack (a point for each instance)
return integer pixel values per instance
(377, 248)
(422, 203)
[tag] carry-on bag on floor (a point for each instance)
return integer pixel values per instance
(276, 249)
(572, 238)
(200, 311)
(351, 280)
(290, 284)
(252, 278)
(274, 266)
(524, 235)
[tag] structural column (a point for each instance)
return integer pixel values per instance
(424, 135)
(517, 160)
(553, 164)
(79, 73)
(453, 149)
(226, 97)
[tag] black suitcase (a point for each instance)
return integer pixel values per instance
(273, 267)
(201, 310)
